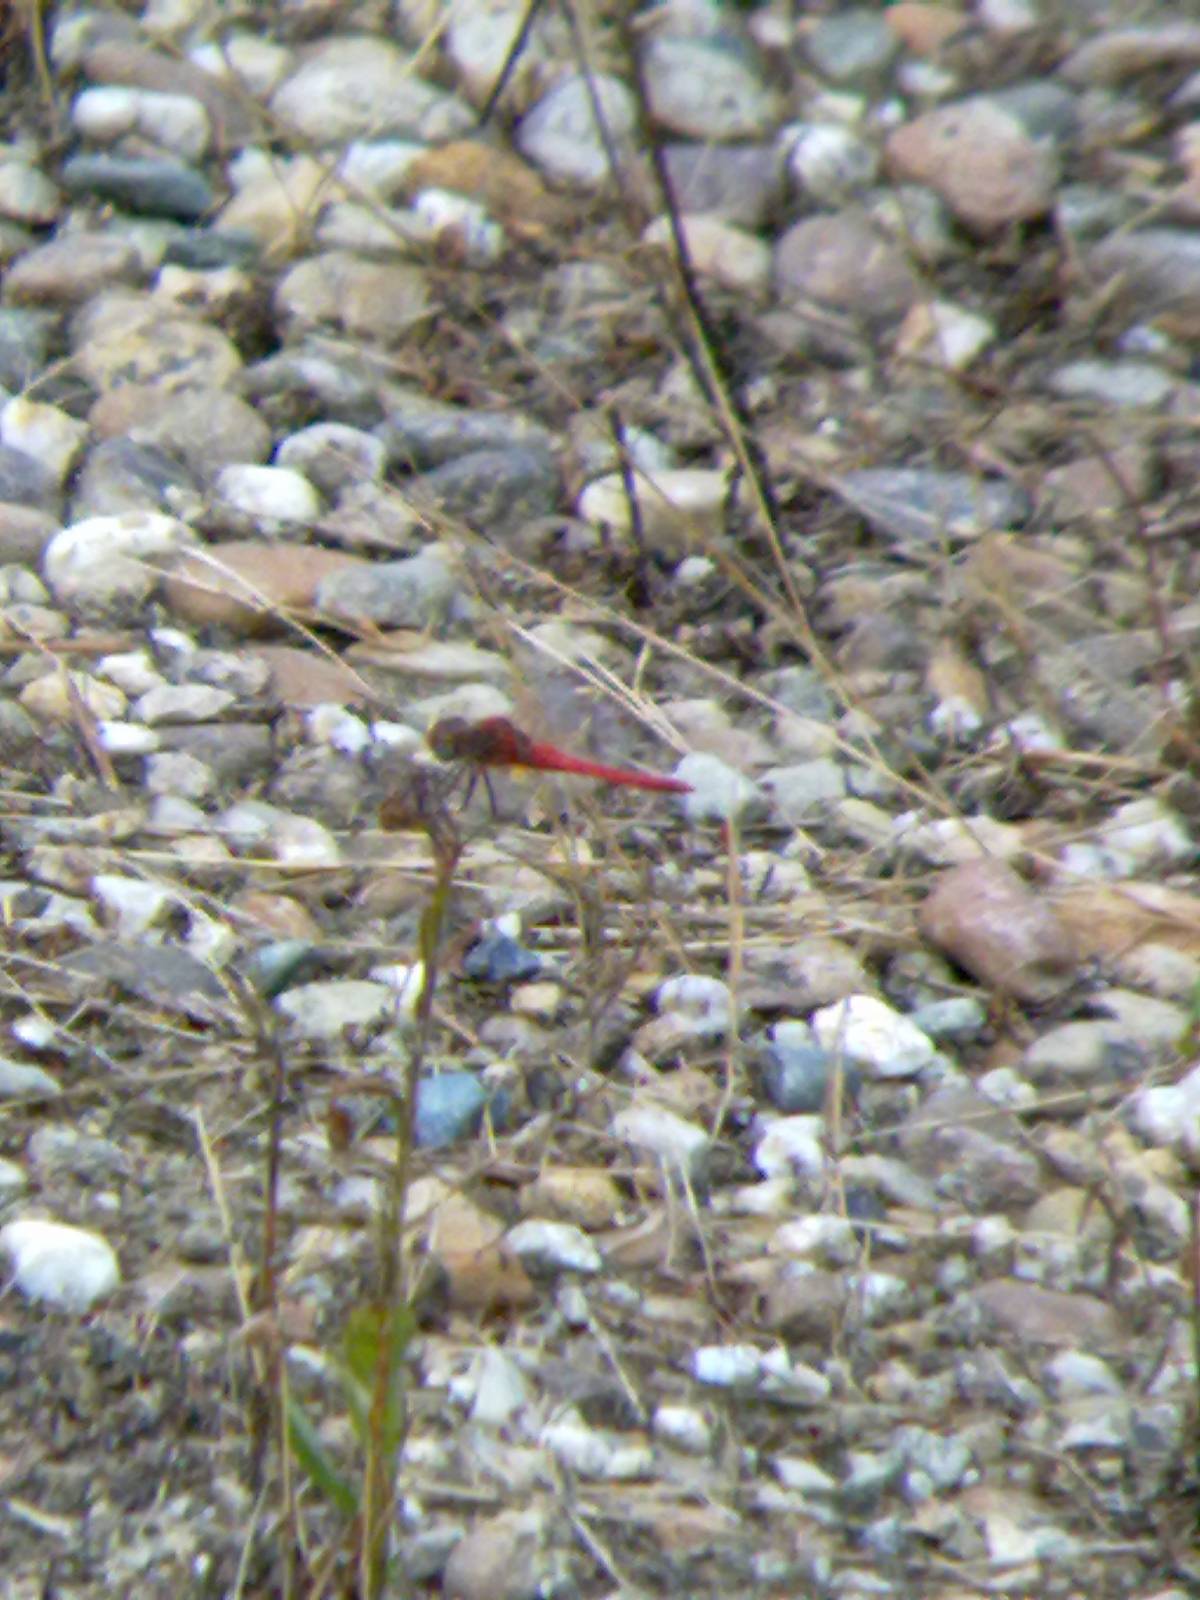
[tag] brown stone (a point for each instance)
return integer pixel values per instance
(991, 922)
(981, 161)
(248, 585)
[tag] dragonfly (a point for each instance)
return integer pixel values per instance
(497, 742)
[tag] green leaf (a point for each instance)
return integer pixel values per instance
(314, 1461)
(375, 1332)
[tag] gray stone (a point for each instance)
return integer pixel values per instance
(153, 187)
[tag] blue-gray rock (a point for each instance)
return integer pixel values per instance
(123, 475)
(498, 958)
(273, 967)
(449, 1107)
(493, 491)
(19, 1080)
(739, 183)
(151, 186)
(26, 481)
(203, 251)
(418, 438)
(413, 593)
(24, 345)
(958, 1017)
(916, 505)
(795, 1069)
(851, 45)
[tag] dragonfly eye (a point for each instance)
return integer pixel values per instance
(445, 738)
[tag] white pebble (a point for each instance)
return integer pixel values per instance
(870, 1034)
(131, 905)
(127, 738)
(683, 1427)
(701, 1004)
(340, 729)
(790, 1147)
(57, 697)
(110, 559)
(182, 702)
(268, 494)
(719, 791)
(44, 432)
(727, 1366)
(70, 1268)
(560, 1246)
(662, 1134)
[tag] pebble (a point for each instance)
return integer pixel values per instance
(843, 262)
(993, 924)
(146, 185)
(27, 195)
(376, 300)
(365, 88)
(704, 90)
(829, 162)
(69, 271)
(332, 456)
(560, 136)
(326, 1010)
(718, 250)
(272, 498)
(718, 792)
(106, 563)
(177, 122)
(919, 506)
(248, 585)
(980, 160)
(677, 1143)
(67, 1268)
(869, 1034)
(21, 1081)
(494, 490)
(497, 957)
(450, 1107)
(548, 1247)
(43, 432)
(256, 827)
(414, 593)
(796, 1070)
(206, 428)
(679, 509)
(791, 1146)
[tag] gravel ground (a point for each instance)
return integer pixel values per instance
(805, 1193)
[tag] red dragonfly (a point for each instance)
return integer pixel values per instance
(496, 742)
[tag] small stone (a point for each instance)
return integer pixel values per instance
(791, 1147)
(559, 134)
(718, 791)
(333, 456)
(663, 1135)
(70, 270)
(152, 187)
(917, 505)
(106, 563)
(545, 1247)
(327, 1010)
(729, 255)
(450, 1107)
(270, 497)
(868, 1033)
(27, 195)
(371, 299)
(177, 122)
(497, 491)
(185, 702)
(130, 905)
(126, 338)
(44, 432)
(501, 1558)
(702, 90)
(60, 1266)
(496, 957)
(249, 586)
(206, 428)
(21, 1081)
(59, 696)
(414, 593)
(851, 45)
(727, 1366)
(740, 183)
(980, 160)
(359, 87)
(844, 261)
(943, 335)
(830, 163)
(680, 508)
(988, 920)
(294, 841)
(796, 1070)
(1121, 384)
